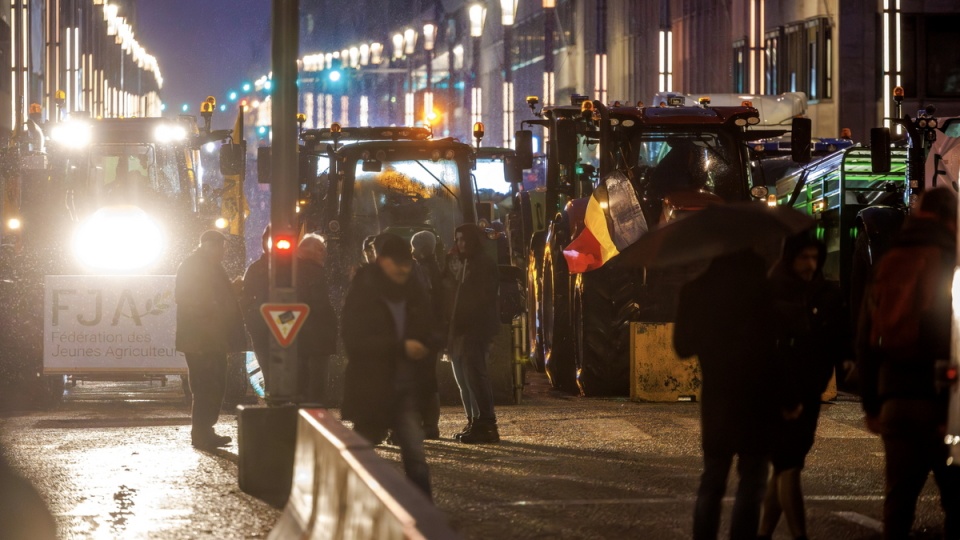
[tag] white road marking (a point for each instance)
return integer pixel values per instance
(862, 520)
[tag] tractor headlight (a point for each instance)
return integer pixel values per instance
(71, 134)
(118, 238)
(166, 133)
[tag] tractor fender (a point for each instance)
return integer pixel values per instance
(880, 224)
(576, 212)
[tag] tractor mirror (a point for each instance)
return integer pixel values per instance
(566, 141)
(800, 140)
(880, 149)
(264, 160)
(231, 159)
(524, 144)
(512, 171)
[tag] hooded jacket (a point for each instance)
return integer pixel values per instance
(477, 314)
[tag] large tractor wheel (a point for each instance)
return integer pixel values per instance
(604, 304)
(555, 325)
(534, 325)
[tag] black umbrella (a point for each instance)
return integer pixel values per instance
(717, 230)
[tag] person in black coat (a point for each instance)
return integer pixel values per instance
(209, 325)
(722, 318)
(476, 320)
(390, 342)
(254, 293)
(427, 270)
(318, 337)
(810, 331)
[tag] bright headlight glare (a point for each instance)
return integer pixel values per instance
(118, 238)
(71, 134)
(166, 133)
(13, 224)
(221, 223)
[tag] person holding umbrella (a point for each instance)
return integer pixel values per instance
(722, 316)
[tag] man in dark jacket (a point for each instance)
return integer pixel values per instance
(209, 325)
(904, 330)
(388, 335)
(318, 337)
(427, 269)
(476, 320)
(722, 318)
(810, 331)
(255, 292)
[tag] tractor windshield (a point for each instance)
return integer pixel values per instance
(667, 162)
(407, 196)
(118, 170)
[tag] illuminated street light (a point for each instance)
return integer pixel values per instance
(477, 13)
(376, 53)
(409, 41)
(508, 12)
(185, 107)
(246, 87)
(397, 46)
(429, 35)
(364, 54)
(232, 96)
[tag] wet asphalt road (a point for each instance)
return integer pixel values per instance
(115, 462)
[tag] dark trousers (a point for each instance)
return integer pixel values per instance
(753, 470)
(476, 376)
(313, 378)
(208, 381)
(909, 460)
(407, 430)
(430, 411)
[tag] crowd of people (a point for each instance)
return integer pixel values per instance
(402, 312)
(768, 343)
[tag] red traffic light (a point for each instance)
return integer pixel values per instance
(284, 244)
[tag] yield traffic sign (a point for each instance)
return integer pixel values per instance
(284, 320)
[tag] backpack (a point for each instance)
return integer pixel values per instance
(907, 284)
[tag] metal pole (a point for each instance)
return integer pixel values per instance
(549, 14)
(284, 367)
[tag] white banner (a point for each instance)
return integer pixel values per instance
(110, 324)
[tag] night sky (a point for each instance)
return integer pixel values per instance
(205, 47)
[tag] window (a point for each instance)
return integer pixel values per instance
(799, 59)
(741, 66)
(943, 57)
(770, 52)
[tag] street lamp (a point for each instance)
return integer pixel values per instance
(429, 40)
(397, 46)
(549, 14)
(409, 46)
(376, 53)
(508, 13)
(477, 13)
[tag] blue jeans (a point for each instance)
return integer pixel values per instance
(473, 377)
(753, 470)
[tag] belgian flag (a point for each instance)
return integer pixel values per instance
(613, 220)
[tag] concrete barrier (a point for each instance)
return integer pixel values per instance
(341, 489)
(656, 372)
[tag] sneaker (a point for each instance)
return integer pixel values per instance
(213, 441)
(481, 433)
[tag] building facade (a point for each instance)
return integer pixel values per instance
(452, 63)
(74, 56)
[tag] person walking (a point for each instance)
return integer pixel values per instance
(318, 337)
(722, 317)
(254, 293)
(475, 323)
(810, 335)
(388, 335)
(424, 246)
(209, 326)
(904, 331)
